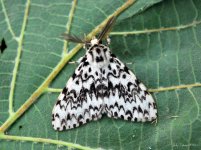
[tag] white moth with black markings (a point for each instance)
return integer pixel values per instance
(101, 84)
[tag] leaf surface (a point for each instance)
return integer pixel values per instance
(160, 41)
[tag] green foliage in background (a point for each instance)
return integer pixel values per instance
(161, 41)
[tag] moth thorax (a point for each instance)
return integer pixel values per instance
(94, 41)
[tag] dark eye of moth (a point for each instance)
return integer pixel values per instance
(98, 50)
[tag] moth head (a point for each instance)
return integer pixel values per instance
(94, 41)
(88, 43)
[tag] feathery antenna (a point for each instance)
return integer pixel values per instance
(103, 33)
(72, 38)
(107, 28)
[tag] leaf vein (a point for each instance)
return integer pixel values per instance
(7, 20)
(196, 102)
(148, 31)
(17, 60)
(160, 89)
(43, 140)
(68, 25)
(196, 10)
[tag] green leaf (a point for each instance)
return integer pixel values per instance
(160, 40)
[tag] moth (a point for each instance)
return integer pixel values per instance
(100, 85)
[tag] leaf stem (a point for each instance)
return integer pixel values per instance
(57, 69)
(43, 140)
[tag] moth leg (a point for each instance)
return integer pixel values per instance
(73, 62)
(79, 60)
(76, 62)
(108, 40)
(155, 122)
(129, 63)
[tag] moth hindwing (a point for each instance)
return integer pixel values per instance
(102, 84)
